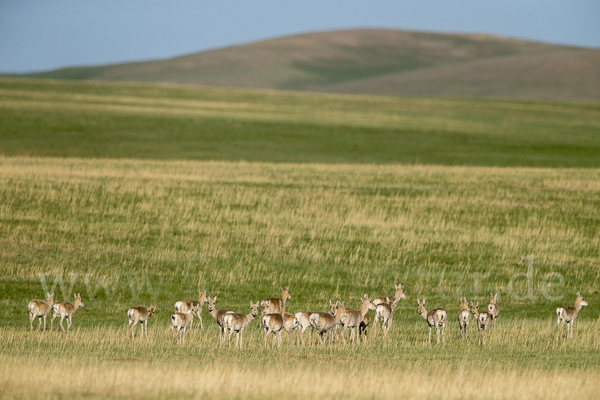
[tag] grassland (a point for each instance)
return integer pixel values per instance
(57, 119)
(241, 230)
(134, 194)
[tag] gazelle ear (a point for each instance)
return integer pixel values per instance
(280, 288)
(424, 300)
(287, 288)
(215, 299)
(418, 302)
(251, 303)
(330, 302)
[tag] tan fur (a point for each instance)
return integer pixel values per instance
(218, 316)
(493, 308)
(567, 314)
(384, 313)
(483, 320)
(326, 322)
(141, 315)
(464, 317)
(181, 321)
(184, 306)
(302, 323)
(66, 310)
(435, 318)
(398, 295)
(40, 309)
(238, 322)
(355, 318)
(273, 306)
(274, 322)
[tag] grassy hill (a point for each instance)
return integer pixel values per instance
(376, 61)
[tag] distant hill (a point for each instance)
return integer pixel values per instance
(377, 61)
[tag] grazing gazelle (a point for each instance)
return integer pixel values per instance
(568, 314)
(326, 322)
(67, 310)
(184, 306)
(435, 318)
(398, 295)
(238, 322)
(493, 308)
(464, 316)
(384, 313)
(181, 321)
(302, 323)
(218, 316)
(483, 320)
(272, 306)
(355, 318)
(40, 309)
(141, 315)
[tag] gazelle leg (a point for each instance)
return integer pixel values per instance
(430, 334)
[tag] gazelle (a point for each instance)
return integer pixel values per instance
(384, 313)
(567, 314)
(326, 322)
(398, 295)
(238, 322)
(362, 328)
(302, 323)
(493, 308)
(184, 306)
(274, 322)
(181, 321)
(435, 318)
(464, 316)
(483, 320)
(355, 318)
(272, 306)
(141, 315)
(40, 309)
(218, 316)
(67, 310)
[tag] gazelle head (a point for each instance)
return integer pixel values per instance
(264, 306)
(464, 304)
(151, 310)
(254, 308)
(580, 301)
(341, 310)
(211, 303)
(493, 298)
(421, 306)
(50, 298)
(202, 297)
(285, 293)
(195, 310)
(333, 307)
(474, 308)
(399, 292)
(366, 301)
(78, 303)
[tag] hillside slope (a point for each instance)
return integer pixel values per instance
(375, 61)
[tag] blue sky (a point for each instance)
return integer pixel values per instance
(39, 35)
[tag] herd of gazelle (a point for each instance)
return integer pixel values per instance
(275, 319)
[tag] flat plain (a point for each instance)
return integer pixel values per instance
(150, 218)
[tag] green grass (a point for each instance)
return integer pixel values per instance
(135, 207)
(153, 122)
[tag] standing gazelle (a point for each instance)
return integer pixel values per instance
(356, 317)
(218, 316)
(67, 310)
(181, 321)
(141, 315)
(568, 314)
(435, 318)
(398, 295)
(326, 322)
(272, 306)
(40, 309)
(483, 320)
(493, 308)
(238, 322)
(464, 316)
(184, 306)
(384, 312)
